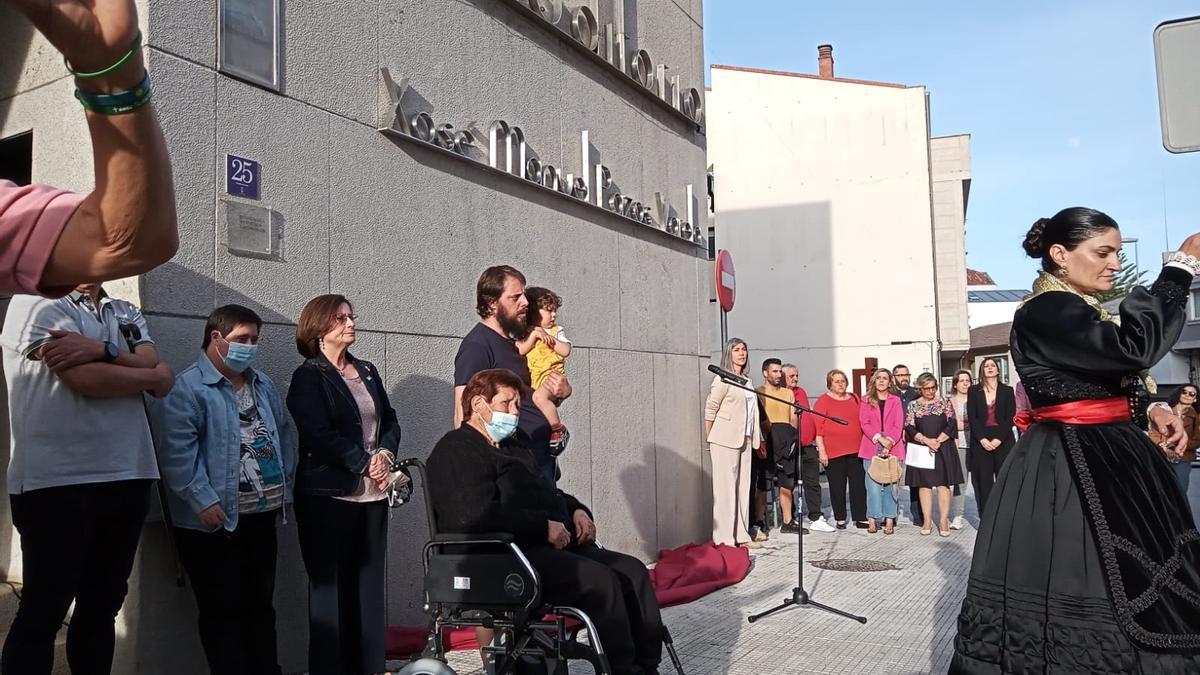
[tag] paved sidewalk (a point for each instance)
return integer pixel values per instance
(911, 611)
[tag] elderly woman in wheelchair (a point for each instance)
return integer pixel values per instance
(481, 483)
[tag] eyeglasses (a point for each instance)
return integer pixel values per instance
(1187, 393)
(343, 318)
(932, 387)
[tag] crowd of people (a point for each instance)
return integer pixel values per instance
(235, 460)
(1086, 558)
(760, 441)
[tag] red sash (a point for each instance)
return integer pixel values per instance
(1092, 411)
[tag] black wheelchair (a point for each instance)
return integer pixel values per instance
(485, 581)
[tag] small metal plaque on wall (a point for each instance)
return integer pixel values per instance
(248, 40)
(241, 177)
(249, 228)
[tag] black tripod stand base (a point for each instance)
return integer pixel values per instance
(800, 599)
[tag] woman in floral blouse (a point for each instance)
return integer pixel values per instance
(930, 422)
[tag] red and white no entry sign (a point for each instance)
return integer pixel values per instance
(726, 285)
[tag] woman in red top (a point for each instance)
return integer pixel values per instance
(837, 449)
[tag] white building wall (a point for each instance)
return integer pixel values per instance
(822, 197)
(988, 313)
(950, 158)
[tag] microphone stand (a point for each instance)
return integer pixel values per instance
(799, 596)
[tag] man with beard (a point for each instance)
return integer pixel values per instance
(780, 439)
(901, 376)
(501, 304)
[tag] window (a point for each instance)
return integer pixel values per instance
(16, 158)
(1005, 377)
(248, 44)
(1194, 305)
(712, 243)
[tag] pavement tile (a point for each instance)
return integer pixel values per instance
(911, 611)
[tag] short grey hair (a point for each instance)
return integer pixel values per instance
(792, 366)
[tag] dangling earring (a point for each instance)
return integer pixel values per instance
(1061, 272)
(321, 343)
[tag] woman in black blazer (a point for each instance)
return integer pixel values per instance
(348, 438)
(991, 407)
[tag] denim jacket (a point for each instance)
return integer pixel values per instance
(200, 451)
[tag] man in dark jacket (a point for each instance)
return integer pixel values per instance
(481, 482)
(902, 377)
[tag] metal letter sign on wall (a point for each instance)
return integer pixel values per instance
(505, 152)
(606, 45)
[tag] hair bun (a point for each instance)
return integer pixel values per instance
(1033, 239)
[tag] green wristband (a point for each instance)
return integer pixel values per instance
(137, 45)
(118, 103)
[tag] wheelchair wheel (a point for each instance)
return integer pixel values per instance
(426, 667)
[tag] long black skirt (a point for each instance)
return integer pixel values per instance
(1087, 561)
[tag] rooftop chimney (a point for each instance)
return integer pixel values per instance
(825, 61)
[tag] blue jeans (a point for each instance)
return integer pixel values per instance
(1183, 474)
(881, 499)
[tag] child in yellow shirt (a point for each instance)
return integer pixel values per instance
(545, 350)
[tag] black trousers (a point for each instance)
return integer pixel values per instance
(810, 479)
(614, 590)
(78, 543)
(839, 471)
(233, 577)
(783, 455)
(344, 545)
(984, 468)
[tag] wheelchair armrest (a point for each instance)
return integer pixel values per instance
(474, 537)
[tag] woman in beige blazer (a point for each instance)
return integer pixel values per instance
(732, 430)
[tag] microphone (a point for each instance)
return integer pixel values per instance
(726, 375)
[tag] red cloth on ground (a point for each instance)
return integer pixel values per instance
(693, 571)
(682, 575)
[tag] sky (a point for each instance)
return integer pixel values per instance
(1060, 99)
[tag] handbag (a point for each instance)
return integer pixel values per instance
(884, 470)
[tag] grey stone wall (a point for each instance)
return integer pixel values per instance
(404, 232)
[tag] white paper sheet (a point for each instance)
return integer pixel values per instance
(919, 456)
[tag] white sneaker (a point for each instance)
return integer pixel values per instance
(819, 525)
(958, 523)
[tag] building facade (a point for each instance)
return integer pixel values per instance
(839, 222)
(363, 190)
(950, 177)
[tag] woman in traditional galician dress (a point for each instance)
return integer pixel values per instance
(1087, 559)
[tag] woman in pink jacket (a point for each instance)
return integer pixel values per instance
(882, 419)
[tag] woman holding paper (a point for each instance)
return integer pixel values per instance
(930, 428)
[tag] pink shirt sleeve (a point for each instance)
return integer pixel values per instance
(32, 218)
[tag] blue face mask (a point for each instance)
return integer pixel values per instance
(502, 425)
(241, 356)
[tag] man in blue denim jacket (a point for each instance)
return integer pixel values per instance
(228, 457)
